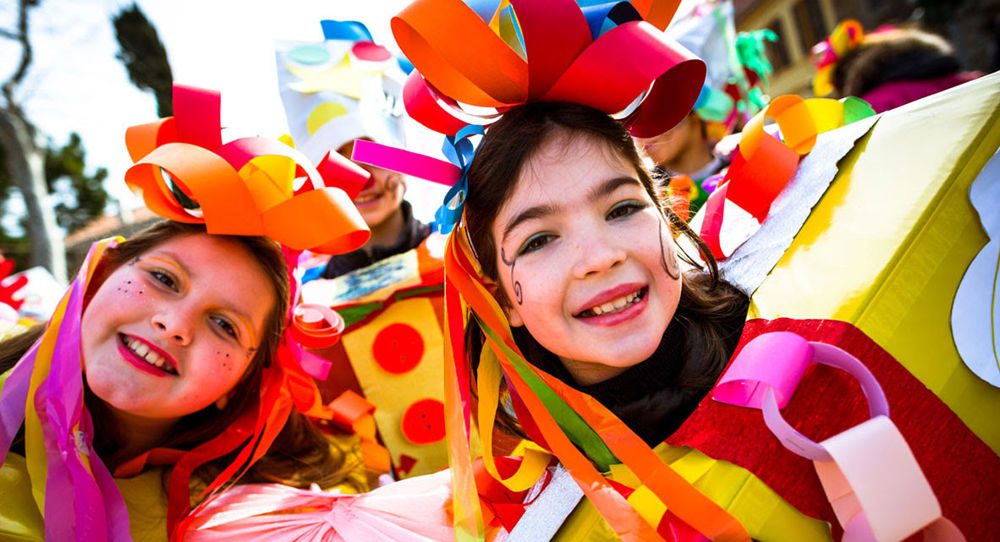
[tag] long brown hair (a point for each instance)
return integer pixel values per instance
(300, 455)
(508, 146)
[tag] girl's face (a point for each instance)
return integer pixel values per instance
(172, 331)
(586, 259)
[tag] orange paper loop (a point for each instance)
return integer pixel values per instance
(185, 173)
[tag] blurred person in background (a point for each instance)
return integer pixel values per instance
(887, 68)
(734, 90)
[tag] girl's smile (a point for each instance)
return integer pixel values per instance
(610, 308)
(146, 356)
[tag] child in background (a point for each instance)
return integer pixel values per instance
(390, 290)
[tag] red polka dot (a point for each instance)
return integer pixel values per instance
(398, 348)
(423, 422)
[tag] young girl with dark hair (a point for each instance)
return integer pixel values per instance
(571, 323)
(559, 259)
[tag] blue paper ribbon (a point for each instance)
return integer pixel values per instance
(459, 150)
(345, 30)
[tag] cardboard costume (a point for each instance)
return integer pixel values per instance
(391, 352)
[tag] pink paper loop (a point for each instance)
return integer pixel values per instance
(767, 371)
(869, 473)
(772, 361)
(877, 489)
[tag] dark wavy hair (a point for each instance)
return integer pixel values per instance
(509, 145)
(301, 454)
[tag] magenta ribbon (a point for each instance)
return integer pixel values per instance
(78, 505)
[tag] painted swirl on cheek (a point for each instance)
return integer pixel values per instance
(670, 265)
(517, 284)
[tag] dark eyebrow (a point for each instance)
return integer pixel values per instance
(530, 213)
(539, 211)
(610, 186)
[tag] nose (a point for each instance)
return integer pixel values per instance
(173, 325)
(597, 254)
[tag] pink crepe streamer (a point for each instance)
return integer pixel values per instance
(411, 510)
(78, 505)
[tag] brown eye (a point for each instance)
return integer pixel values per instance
(535, 242)
(626, 208)
(225, 326)
(164, 278)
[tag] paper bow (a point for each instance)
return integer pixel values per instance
(516, 51)
(412, 510)
(847, 35)
(341, 89)
(187, 174)
(877, 489)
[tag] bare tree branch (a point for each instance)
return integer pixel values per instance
(7, 34)
(26, 52)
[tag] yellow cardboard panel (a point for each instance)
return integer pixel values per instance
(886, 247)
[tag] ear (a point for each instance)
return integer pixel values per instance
(513, 317)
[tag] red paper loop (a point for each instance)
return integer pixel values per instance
(316, 326)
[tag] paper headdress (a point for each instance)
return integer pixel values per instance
(478, 58)
(340, 89)
(846, 37)
(735, 87)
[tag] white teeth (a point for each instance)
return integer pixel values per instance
(145, 353)
(615, 305)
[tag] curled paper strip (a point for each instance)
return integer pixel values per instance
(316, 326)
(518, 51)
(877, 489)
(246, 187)
(763, 164)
